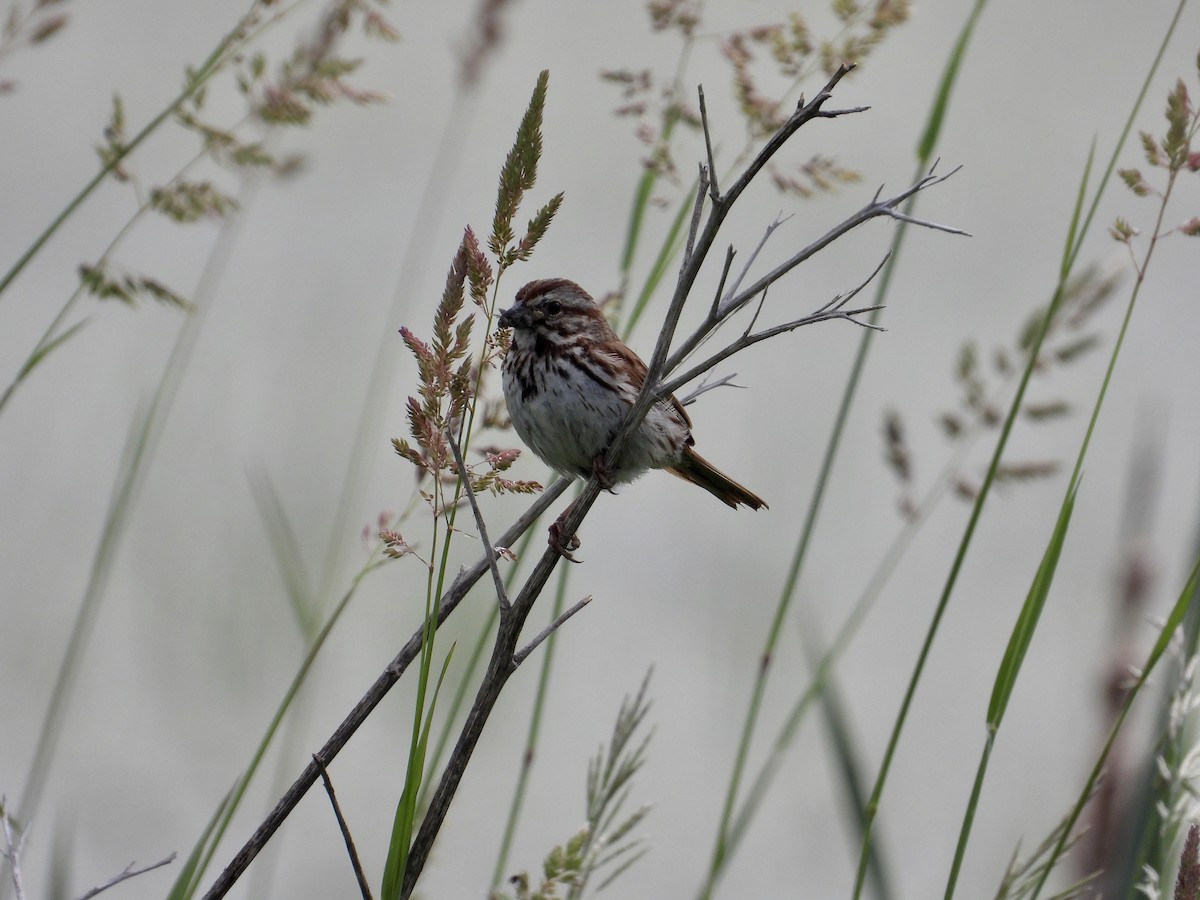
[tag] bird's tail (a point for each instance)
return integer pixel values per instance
(696, 469)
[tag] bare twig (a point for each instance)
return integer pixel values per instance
(705, 386)
(834, 309)
(702, 181)
(501, 667)
(733, 288)
(124, 875)
(505, 655)
(520, 656)
(688, 273)
(458, 590)
(12, 850)
(874, 209)
(748, 340)
(359, 875)
(716, 303)
(757, 312)
(714, 192)
(488, 550)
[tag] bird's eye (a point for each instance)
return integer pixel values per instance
(553, 308)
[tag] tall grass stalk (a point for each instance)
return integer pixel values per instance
(925, 150)
(454, 706)
(517, 175)
(145, 432)
(1077, 231)
(189, 879)
(248, 29)
(1174, 620)
(532, 735)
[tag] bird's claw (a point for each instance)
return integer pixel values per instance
(604, 477)
(561, 547)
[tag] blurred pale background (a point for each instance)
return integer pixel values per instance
(194, 644)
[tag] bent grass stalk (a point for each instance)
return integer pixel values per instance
(233, 43)
(139, 452)
(925, 150)
(201, 856)
(1078, 227)
(514, 180)
(1027, 620)
(534, 731)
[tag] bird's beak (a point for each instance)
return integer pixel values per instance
(515, 317)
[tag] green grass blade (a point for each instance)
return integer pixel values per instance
(641, 202)
(532, 734)
(941, 101)
(854, 785)
(637, 216)
(285, 547)
(37, 356)
(406, 809)
(671, 245)
(190, 874)
(1174, 620)
(231, 804)
(124, 491)
(1010, 667)
(1071, 245)
(483, 641)
(1031, 610)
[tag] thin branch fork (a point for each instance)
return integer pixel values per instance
(834, 309)
(714, 191)
(363, 888)
(522, 655)
(503, 663)
(504, 656)
(449, 602)
(690, 269)
(124, 875)
(734, 300)
(488, 550)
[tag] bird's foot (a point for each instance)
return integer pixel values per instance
(556, 542)
(603, 474)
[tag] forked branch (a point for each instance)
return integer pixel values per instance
(700, 240)
(506, 655)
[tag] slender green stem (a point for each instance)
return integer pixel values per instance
(531, 737)
(429, 211)
(225, 50)
(824, 473)
(969, 817)
(947, 590)
(925, 151)
(1076, 234)
(1074, 241)
(230, 804)
(482, 641)
(52, 335)
(650, 176)
(823, 672)
(139, 452)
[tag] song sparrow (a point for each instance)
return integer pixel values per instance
(569, 382)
